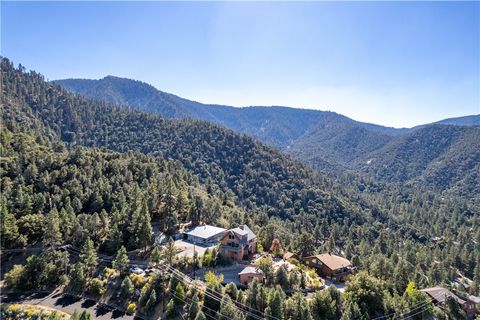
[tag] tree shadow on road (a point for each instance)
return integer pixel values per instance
(117, 314)
(101, 310)
(39, 295)
(66, 300)
(88, 303)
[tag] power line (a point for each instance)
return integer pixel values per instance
(191, 301)
(423, 305)
(217, 298)
(412, 308)
(210, 295)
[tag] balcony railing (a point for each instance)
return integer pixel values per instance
(344, 272)
(229, 248)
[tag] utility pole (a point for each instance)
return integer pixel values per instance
(194, 261)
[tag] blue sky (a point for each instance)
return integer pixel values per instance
(391, 63)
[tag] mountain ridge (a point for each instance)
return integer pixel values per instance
(78, 85)
(328, 141)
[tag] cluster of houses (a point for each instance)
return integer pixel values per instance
(240, 244)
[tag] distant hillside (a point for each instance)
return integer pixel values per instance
(473, 120)
(439, 156)
(257, 175)
(277, 126)
(332, 146)
(329, 141)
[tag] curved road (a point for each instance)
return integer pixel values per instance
(66, 303)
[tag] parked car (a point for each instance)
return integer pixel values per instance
(136, 270)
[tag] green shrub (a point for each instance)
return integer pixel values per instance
(96, 287)
(15, 277)
(137, 280)
(171, 309)
(131, 308)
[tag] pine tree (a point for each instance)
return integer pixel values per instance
(155, 256)
(228, 310)
(145, 230)
(212, 297)
(127, 288)
(179, 297)
(277, 305)
(140, 226)
(297, 307)
(114, 238)
(169, 251)
(89, 257)
(78, 276)
(121, 261)
(182, 205)
(9, 229)
(167, 208)
(194, 307)
(52, 236)
(152, 300)
(66, 223)
(281, 277)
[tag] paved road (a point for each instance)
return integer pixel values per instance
(66, 303)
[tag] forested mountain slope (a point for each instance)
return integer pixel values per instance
(277, 126)
(333, 146)
(442, 157)
(257, 175)
(329, 141)
(473, 120)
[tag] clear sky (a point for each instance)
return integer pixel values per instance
(391, 63)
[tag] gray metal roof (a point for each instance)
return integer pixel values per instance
(251, 269)
(244, 230)
(205, 232)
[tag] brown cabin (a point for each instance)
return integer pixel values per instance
(249, 273)
(329, 265)
(440, 295)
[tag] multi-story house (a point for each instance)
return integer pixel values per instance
(238, 243)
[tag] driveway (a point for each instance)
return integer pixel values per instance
(187, 249)
(230, 273)
(66, 303)
(339, 285)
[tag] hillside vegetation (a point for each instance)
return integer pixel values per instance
(328, 141)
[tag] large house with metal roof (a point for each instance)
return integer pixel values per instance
(205, 234)
(238, 243)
